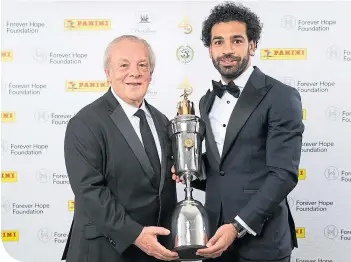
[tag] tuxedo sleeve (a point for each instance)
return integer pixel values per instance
(84, 163)
(283, 150)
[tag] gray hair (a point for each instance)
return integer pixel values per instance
(152, 57)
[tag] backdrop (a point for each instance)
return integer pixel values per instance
(52, 66)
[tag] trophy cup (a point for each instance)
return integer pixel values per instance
(190, 227)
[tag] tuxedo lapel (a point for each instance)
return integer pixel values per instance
(122, 122)
(161, 132)
(252, 94)
(204, 110)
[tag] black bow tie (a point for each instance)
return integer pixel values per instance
(219, 89)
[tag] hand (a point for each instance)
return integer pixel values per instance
(147, 242)
(175, 177)
(219, 243)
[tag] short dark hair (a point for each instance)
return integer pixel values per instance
(230, 11)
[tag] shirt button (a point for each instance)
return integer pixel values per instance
(222, 173)
(224, 125)
(228, 102)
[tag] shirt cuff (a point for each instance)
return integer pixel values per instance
(237, 218)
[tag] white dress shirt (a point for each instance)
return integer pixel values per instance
(219, 117)
(135, 121)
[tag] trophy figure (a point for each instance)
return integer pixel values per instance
(190, 226)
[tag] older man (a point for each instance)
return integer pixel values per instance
(118, 160)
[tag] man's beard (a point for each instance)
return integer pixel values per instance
(231, 72)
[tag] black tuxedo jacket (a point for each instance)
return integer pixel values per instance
(258, 167)
(116, 190)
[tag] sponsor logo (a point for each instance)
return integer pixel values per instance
(8, 176)
(300, 232)
(4, 146)
(9, 235)
(331, 232)
(317, 146)
(336, 53)
(332, 173)
(304, 114)
(310, 205)
(333, 113)
(70, 205)
(47, 235)
(24, 28)
(303, 86)
(44, 235)
(8, 117)
(25, 149)
(86, 86)
(6, 55)
(23, 89)
(87, 24)
(41, 55)
(5, 205)
(27, 208)
(302, 174)
(289, 22)
(283, 53)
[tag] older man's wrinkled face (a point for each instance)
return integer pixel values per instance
(129, 70)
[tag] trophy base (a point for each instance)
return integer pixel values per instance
(188, 253)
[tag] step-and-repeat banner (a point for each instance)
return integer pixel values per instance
(52, 66)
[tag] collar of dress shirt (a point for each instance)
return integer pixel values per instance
(241, 80)
(129, 109)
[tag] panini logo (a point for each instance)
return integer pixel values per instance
(302, 174)
(304, 114)
(87, 24)
(300, 232)
(6, 56)
(70, 205)
(8, 117)
(9, 235)
(8, 176)
(86, 86)
(283, 53)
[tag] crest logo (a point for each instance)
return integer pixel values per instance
(331, 232)
(333, 52)
(331, 173)
(288, 22)
(44, 235)
(185, 54)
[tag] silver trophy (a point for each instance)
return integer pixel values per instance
(190, 227)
